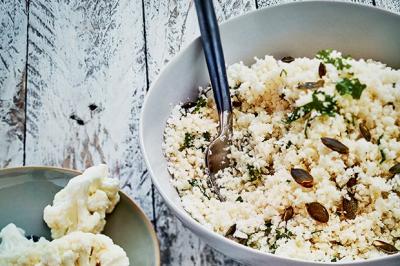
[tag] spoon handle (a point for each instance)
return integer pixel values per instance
(214, 55)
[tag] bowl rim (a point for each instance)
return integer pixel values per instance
(180, 212)
(130, 201)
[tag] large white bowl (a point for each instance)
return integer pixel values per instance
(296, 29)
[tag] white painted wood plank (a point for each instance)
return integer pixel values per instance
(86, 83)
(171, 25)
(392, 5)
(13, 24)
(266, 3)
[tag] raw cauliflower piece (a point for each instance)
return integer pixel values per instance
(74, 249)
(16, 250)
(82, 205)
(87, 249)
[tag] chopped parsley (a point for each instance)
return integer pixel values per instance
(240, 199)
(289, 144)
(196, 183)
(283, 233)
(201, 102)
(352, 87)
(383, 155)
(283, 72)
(187, 142)
(339, 62)
(322, 103)
(254, 173)
(207, 136)
(280, 234)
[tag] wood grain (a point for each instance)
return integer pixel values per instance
(392, 5)
(86, 83)
(13, 25)
(266, 3)
(170, 26)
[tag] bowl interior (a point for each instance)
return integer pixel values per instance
(297, 29)
(24, 192)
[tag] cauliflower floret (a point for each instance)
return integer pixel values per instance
(16, 250)
(74, 249)
(78, 248)
(83, 203)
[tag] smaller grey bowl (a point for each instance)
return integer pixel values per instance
(25, 191)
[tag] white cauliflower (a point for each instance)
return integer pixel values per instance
(16, 250)
(74, 249)
(87, 249)
(82, 205)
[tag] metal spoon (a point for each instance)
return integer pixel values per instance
(217, 153)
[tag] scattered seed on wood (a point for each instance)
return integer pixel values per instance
(288, 214)
(350, 207)
(385, 247)
(321, 70)
(395, 169)
(311, 85)
(302, 177)
(77, 119)
(335, 145)
(318, 212)
(287, 59)
(365, 132)
(92, 107)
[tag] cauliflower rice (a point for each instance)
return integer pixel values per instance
(282, 109)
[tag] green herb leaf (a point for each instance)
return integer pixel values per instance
(254, 173)
(283, 72)
(321, 102)
(201, 102)
(289, 144)
(196, 183)
(283, 233)
(339, 62)
(240, 199)
(187, 142)
(350, 86)
(383, 155)
(207, 136)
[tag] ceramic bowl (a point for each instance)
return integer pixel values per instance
(297, 29)
(25, 191)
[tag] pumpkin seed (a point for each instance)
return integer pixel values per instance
(288, 214)
(311, 85)
(365, 132)
(231, 230)
(318, 212)
(335, 145)
(352, 182)
(385, 247)
(287, 59)
(236, 103)
(350, 207)
(188, 105)
(395, 169)
(321, 70)
(302, 177)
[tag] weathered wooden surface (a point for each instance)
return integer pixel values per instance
(170, 25)
(89, 64)
(392, 5)
(13, 24)
(86, 83)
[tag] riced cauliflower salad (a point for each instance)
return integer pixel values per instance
(314, 158)
(76, 219)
